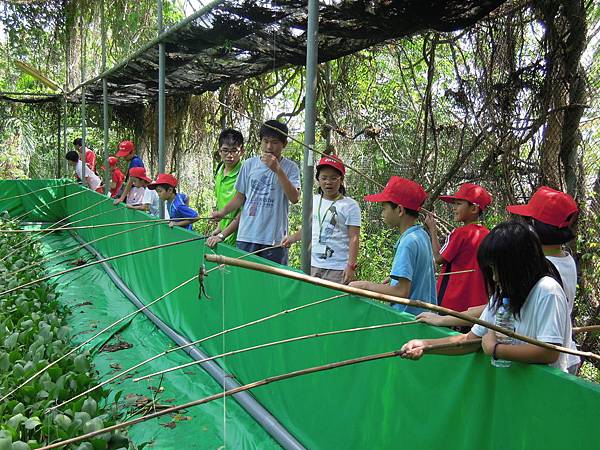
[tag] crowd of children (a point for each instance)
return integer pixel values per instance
(478, 266)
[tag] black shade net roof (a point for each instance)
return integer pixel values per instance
(241, 39)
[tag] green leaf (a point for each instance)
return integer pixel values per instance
(32, 423)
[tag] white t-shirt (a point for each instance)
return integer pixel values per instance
(151, 198)
(568, 274)
(94, 180)
(135, 196)
(330, 239)
(544, 317)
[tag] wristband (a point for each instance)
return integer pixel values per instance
(221, 236)
(494, 357)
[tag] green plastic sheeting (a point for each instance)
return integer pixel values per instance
(96, 302)
(438, 402)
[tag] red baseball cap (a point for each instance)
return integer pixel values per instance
(401, 191)
(139, 172)
(332, 161)
(472, 193)
(112, 162)
(163, 178)
(548, 206)
(125, 148)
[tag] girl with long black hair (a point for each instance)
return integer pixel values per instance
(514, 266)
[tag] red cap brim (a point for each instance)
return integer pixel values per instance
(377, 198)
(123, 153)
(449, 198)
(520, 210)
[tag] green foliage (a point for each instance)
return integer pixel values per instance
(34, 332)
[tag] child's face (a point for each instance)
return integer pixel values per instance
(464, 211)
(272, 145)
(137, 182)
(163, 194)
(71, 163)
(230, 153)
(391, 215)
(330, 181)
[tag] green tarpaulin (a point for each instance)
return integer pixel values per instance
(437, 402)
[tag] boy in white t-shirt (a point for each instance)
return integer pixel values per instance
(139, 197)
(335, 226)
(92, 180)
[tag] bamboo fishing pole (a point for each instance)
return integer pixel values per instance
(104, 225)
(457, 272)
(105, 329)
(38, 233)
(212, 336)
(274, 343)
(26, 213)
(392, 299)
(3, 199)
(100, 261)
(587, 329)
(255, 384)
(120, 321)
(81, 246)
(335, 158)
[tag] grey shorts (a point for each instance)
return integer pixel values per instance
(336, 276)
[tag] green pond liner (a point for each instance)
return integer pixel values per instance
(444, 402)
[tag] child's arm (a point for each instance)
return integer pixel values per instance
(401, 289)
(220, 236)
(450, 321)
(350, 270)
(235, 203)
(125, 192)
(290, 191)
(414, 348)
(292, 239)
(527, 353)
(435, 242)
(140, 207)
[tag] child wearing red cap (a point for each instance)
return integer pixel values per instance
(177, 208)
(462, 290)
(335, 225)
(117, 176)
(149, 201)
(126, 151)
(514, 267)
(412, 275)
(552, 213)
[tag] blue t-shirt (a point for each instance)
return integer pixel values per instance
(414, 261)
(264, 218)
(136, 161)
(179, 210)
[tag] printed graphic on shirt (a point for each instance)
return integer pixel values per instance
(260, 196)
(322, 249)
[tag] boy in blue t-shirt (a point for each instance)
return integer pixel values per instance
(412, 275)
(265, 186)
(177, 208)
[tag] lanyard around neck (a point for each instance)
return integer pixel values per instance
(321, 221)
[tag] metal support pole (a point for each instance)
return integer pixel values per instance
(161, 101)
(309, 130)
(83, 143)
(65, 125)
(105, 125)
(58, 133)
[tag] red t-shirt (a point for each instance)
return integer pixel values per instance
(117, 178)
(90, 159)
(461, 291)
